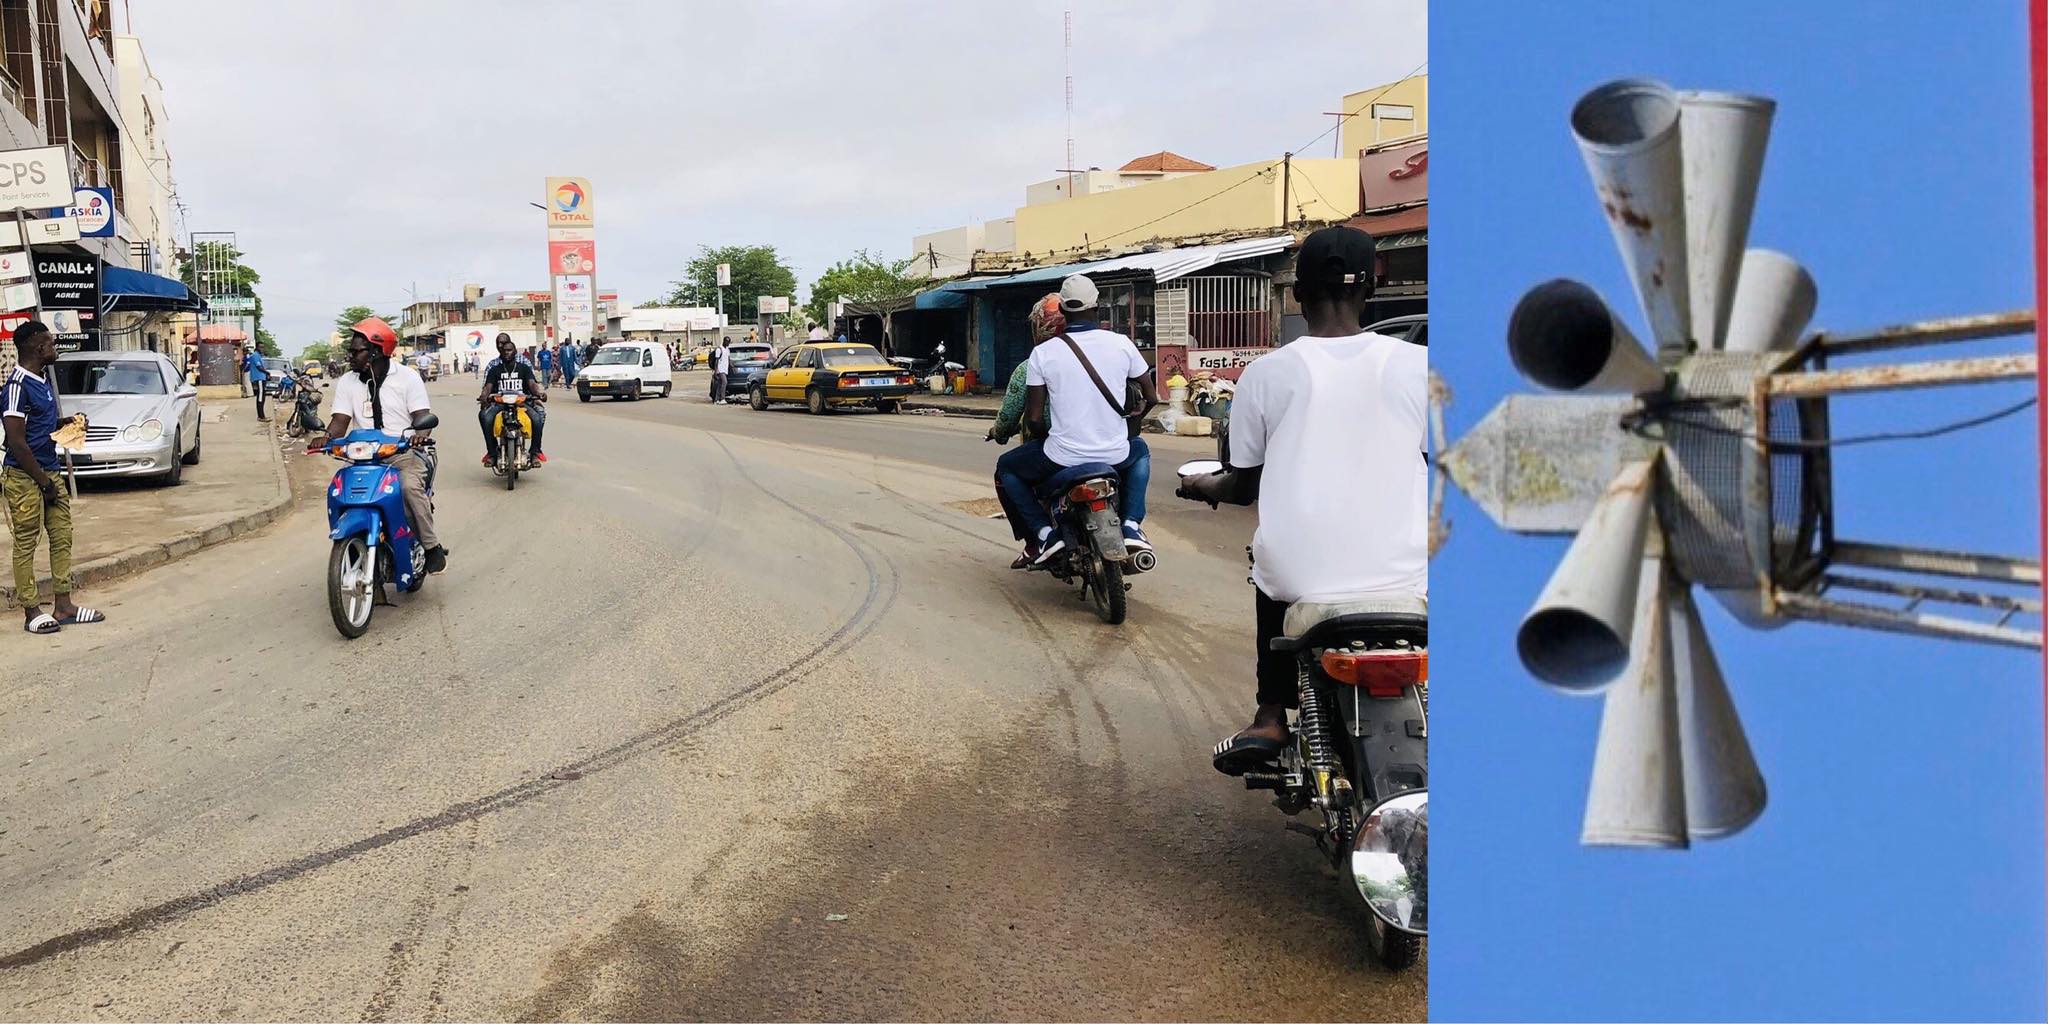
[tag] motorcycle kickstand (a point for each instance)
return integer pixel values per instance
(1319, 835)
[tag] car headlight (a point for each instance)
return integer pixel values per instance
(150, 429)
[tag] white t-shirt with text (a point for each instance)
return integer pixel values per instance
(402, 394)
(1085, 428)
(1339, 425)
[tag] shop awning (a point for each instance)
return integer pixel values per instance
(1164, 265)
(131, 291)
(943, 297)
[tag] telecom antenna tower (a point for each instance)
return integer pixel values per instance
(1704, 466)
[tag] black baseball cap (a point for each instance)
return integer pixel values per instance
(1335, 256)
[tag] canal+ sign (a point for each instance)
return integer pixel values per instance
(35, 179)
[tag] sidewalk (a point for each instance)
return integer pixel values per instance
(979, 406)
(122, 527)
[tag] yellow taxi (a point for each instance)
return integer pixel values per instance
(823, 375)
(314, 368)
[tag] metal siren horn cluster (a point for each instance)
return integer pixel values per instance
(1701, 463)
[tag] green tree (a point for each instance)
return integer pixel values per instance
(267, 344)
(863, 279)
(756, 271)
(318, 350)
(651, 304)
(348, 318)
(226, 275)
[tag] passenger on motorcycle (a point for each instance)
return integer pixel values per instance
(384, 394)
(1077, 422)
(1325, 435)
(510, 375)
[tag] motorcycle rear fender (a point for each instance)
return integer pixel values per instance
(1106, 533)
(1389, 739)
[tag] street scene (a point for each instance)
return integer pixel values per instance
(786, 582)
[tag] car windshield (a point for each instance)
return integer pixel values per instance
(851, 355)
(108, 377)
(617, 357)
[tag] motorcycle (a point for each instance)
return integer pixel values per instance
(511, 426)
(374, 543)
(1358, 755)
(1088, 514)
(305, 414)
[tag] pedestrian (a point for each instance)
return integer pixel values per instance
(815, 333)
(252, 365)
(567, 362)
(37, 503)
(721, 361)
(547, 365)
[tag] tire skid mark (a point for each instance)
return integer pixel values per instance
(882, 585)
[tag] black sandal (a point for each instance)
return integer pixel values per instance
(1241, 753)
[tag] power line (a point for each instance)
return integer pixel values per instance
(1639, 425)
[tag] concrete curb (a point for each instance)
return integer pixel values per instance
(149, 556)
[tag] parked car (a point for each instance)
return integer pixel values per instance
(1413, 329)
(278, 370)
(749, 367)
(627, 369)
(826, 374)
(141, 420)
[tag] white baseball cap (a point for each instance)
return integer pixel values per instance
(1077, 293)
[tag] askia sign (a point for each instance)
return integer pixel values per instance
(94, 209)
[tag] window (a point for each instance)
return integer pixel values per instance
(647, 357)
(109, 377)
(809, 358)
(785, 360)
(852, 355)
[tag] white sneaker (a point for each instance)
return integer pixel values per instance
(1049, 544)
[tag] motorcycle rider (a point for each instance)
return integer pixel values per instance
(385, 394)
(1047, 322)
(510, 375)
(1086, 429)
(1324, 435)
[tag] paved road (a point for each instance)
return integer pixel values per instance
(711, 680)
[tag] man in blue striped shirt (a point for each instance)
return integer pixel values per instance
(36, 502)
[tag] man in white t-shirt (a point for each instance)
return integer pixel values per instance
(1327, 435)
(1084, 426)
(400, 401)
(817, 333)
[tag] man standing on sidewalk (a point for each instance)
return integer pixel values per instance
(721, 361)
(252, 363)
(36, 501)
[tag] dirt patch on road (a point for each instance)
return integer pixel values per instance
(1055, 890)
(979, 508)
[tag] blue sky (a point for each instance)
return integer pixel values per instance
(1898, 871)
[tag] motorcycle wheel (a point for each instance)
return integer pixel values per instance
(1108, 587)
(1395, 949)
(511, 453)
(351, 586)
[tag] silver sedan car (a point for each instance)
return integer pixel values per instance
(141, 419)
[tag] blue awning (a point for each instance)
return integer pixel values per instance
(942, 297)
(131, 291)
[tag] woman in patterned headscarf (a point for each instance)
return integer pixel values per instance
(1046, 322)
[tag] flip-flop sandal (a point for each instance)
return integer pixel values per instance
(81, 617)
(42, 625)
(1240, 753)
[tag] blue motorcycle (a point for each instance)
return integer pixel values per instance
(374, 542)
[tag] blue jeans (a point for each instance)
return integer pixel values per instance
(1021, 470)
(485, 416)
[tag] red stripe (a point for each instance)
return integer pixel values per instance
(2037, 23)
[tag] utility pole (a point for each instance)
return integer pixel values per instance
(1286, 184)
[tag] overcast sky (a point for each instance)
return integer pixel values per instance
(360, 150)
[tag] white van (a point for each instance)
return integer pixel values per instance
(627, 369)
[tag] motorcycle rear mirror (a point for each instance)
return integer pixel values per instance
(1201, 467)
(427, 421)
(1390, 861)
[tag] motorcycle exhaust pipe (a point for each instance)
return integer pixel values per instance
(1143, 561)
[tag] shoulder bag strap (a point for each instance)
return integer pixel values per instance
(1121, 412)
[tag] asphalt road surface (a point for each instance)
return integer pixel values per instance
(723, 714)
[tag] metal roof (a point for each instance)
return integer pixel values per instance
(1164, 265)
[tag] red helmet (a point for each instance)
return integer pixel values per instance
(378, 333)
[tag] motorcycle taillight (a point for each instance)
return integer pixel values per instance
(1382, 673)
(1091, 491)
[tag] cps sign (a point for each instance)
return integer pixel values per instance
(33, 179)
